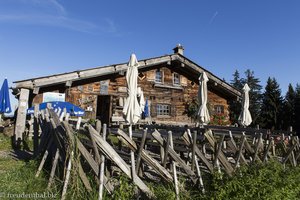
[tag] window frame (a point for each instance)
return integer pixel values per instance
(179, 79)
(163, 110)
(219, 109)
(161, 81)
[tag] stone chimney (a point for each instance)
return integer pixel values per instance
(179, 49)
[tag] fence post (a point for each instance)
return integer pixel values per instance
(36, 130)
(21, 116)
(194, 149)
(174, 166)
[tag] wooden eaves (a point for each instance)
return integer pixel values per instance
(70, 77)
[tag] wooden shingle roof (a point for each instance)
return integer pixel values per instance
(69, 77)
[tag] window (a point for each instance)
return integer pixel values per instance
(176, 79)
(80, 88)
(163, 109)
(158, 76)
(90, 88)
(142, 76)
(219, 109)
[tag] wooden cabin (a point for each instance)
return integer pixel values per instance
(169, 83)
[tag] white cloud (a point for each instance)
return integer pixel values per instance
(51, 13)
(110, 26)
(49, 20)
(48, 4)
(213, 17)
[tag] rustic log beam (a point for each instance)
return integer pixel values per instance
(257, 147)
(188, 142)
(166, 150)
(156, 135)
(84, 178)
(174, 166)
(78, 123)
(67, 178)
(115, 157)
(95, 149)
(289, 153)
(98, 126)
(92, 163)
(36, 130)
(146, 157)
(240, 152)
(21, 116)
(54, 165)
(43, 159)
(219, 149)
(265, 156)
(233, 145)
(58, 138)
(87, 156)
(141, 147)
(194, 149)
(102, 165)
(223, 159)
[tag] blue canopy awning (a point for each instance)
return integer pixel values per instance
(71, 108)
(4, 98)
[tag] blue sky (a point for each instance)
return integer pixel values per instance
(44, 37)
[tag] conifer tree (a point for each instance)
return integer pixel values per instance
(297, 109)
(271, 109)
(234, 105)
(289, 108)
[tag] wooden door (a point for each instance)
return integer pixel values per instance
(104, 108)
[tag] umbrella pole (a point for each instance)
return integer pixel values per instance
(133, 172)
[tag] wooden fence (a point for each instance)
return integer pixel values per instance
(162, 153)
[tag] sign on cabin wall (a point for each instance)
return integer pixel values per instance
(53, 96)
(122, 89)
(104, 87)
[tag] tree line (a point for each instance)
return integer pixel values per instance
(269, 108)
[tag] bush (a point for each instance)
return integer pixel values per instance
(269, 181)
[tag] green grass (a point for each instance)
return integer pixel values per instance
(5, 143)
(269, 181)
(18, 177)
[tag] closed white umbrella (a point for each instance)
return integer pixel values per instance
(142, 102)
(245, 118)
(132, 110)
(203, 113)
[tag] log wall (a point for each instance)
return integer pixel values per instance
(176, 96)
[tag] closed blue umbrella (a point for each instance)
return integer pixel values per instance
(70, 108)
(146, 109)
(4, 98)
